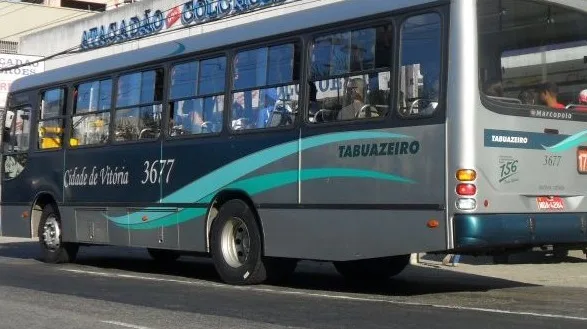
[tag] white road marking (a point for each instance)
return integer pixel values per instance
(127, 325)
(328, 296)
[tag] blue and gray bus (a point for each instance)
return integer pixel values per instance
(352, 133)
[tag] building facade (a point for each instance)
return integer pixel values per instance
(150, 22)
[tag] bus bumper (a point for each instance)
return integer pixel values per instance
(518, 230)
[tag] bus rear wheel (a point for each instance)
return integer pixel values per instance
(235, 245)
(54, 250)
(372, 270)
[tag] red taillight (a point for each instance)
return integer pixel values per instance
(466, 189)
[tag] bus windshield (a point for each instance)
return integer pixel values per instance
(532, 58)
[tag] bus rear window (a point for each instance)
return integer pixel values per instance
(532, 56)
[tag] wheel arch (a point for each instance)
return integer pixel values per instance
(220, 199)
(42, 199)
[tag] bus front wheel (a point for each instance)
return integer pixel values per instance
(50, 237)
(235, 245)
(372, 270)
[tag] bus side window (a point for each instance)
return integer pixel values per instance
(15, 139)
(138, 106)
(90, 122)
(350, 75)
(50, 129)
(196, 99)
(419, 83)
(266, 85)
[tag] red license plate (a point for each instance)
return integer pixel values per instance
(553, 203)
(582, 160)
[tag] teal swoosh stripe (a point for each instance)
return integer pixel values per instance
(229, 173)
(259, 184)
(239, 168)
(568, 143)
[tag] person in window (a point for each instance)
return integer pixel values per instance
(354, 100)
(582, 106)
(239, 117)
(195, 117)
(212, 114)
(583, 97)
(548, 93)
(270, 100)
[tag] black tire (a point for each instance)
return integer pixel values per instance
(235, 217)
(57, 252)
(163, 255)
(368, 271)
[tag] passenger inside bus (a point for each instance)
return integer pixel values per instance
(242, 115)
(270, 98)
(582, 106)
(583, 97)
(548, 94)
(354, 99)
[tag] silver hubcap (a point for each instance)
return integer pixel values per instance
(52, 233)
(235, 242)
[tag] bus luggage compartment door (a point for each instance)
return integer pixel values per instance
(91, 225)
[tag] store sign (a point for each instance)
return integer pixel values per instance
(154, 21)
(11, 69)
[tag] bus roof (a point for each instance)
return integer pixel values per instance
(326, 14)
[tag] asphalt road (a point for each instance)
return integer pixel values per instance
(122, 288)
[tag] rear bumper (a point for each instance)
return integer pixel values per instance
(484, 231)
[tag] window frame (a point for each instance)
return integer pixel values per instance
(63, 117)
(299, 45)
(168, 100)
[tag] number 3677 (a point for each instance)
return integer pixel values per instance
(552, 160)
(156, 170)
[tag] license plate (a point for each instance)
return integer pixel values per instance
(582, 160)
(553, 203)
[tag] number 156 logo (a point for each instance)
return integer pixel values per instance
(508, 168)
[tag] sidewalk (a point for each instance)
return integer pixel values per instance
(4, 239)
(531, 268)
